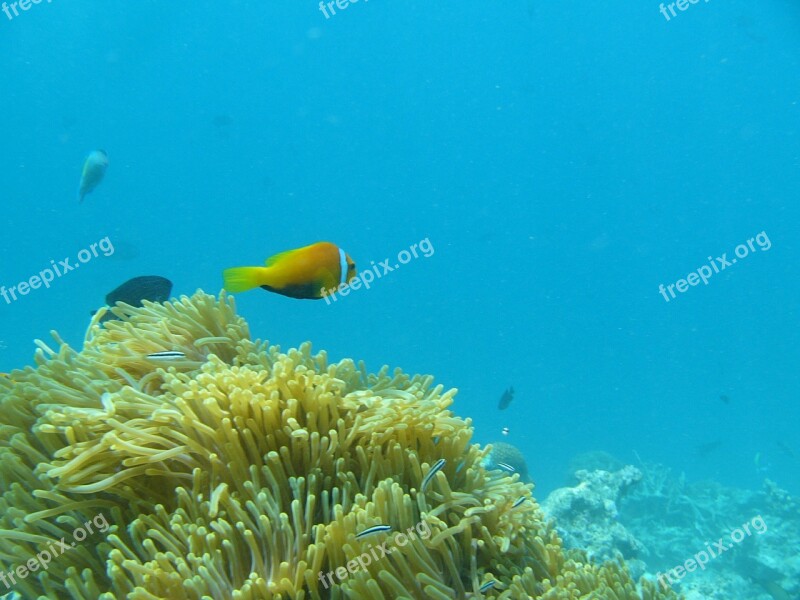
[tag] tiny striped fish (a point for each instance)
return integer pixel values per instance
(487, 586)
(434, 470)
(373, 530)
(506, 467)
(519, 501)
(166, 355)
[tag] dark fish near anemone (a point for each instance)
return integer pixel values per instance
(506, 398)
(134, 291)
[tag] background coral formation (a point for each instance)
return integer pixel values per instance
(505, 453)
(243, 472)
(655, 520)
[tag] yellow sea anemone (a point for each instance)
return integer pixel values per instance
(239, 471)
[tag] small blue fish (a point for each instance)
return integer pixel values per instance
(167, 355)
(373, 530)
(519, 501)
(487, 586)
(434, 470)
(94, 169)
(506, 467)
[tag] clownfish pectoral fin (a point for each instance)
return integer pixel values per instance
(241, 279)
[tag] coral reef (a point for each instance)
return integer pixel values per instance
(595, 460)
(587, 514)
(504, 453)
(239, 471)
(657, 521)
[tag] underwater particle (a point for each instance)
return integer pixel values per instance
(725, 398)
(94, 169)
(506, 399)
(309, 272)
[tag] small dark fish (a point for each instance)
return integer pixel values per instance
(506, 398)
(704, 450)
(434, 470)
(134, 291)
(786, 449)
(146, 287)
(167, 355)
(519, 502)
(373, 530)
(725, 398)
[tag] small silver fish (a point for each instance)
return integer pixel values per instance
(434, 470)
(373, 530)
(166, 355)
(94, 169)
(506, 467)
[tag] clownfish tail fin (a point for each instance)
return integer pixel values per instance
(241, 279)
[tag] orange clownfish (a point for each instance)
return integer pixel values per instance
(308, 272)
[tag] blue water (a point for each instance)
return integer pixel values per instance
(563, 161)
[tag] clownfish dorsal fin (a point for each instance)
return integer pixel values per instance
(275, 259)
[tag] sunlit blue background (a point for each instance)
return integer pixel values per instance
(563, 161)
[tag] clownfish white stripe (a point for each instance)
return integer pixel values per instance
(343, 266)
